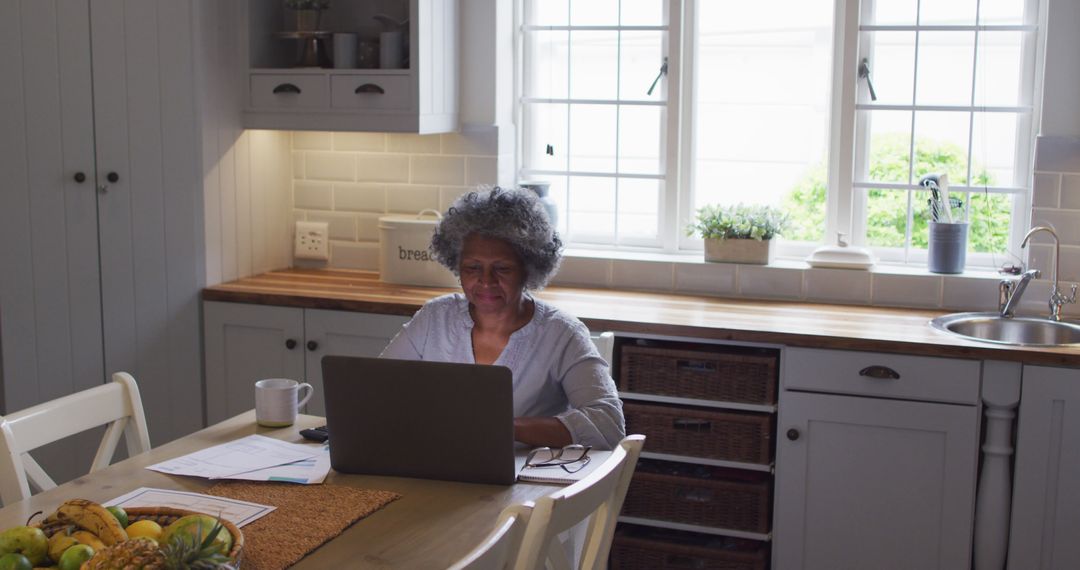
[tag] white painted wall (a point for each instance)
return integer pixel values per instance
(1061, 89)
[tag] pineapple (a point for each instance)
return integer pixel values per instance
(135, 554)
(186, 552)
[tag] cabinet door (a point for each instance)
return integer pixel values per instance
(1046, 496)
(870, 483)
(245, 343)
(341, 333)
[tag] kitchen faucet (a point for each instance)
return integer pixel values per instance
(1009, 292)
(1057, 298)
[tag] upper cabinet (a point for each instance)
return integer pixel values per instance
(357, 65)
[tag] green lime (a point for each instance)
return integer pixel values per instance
(15, 561)
(74, 556)
(120, 515)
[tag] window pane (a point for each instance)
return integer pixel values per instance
(893, 68)
(938, 12)
(991, 218)
(590, 209)
(592, 138)
(546, 124)
(941, 144)
(944, 75)
(993, 150)
(888, 157)
(642, 13)
(547, 12)
(640, 58)
(639, 208)
(640, 139)
(890, 12)
(592, 73)
(594, 12)
(548, 54)
(887, 217)
(1001, 11)
(997, 69)
(763, 74)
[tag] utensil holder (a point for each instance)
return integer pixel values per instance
(948, 247)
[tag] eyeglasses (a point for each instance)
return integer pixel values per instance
(571, 458)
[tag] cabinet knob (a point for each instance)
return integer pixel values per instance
(112, 177)
(290, 344)
(793, 434)
(80, 177)
(312, 345)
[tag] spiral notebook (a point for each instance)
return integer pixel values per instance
(557, 475)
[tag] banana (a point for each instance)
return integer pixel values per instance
(94, 518)
(59, 542)
(88, 538)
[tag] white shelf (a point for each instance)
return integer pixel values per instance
(769, 409)
(698, 528)
(706, 461)
(325, 71)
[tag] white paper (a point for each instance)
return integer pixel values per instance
(310, 471)
(243, 455)
(237, 512)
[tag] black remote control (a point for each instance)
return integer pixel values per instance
(319, 434)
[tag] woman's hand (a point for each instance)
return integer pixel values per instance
(539, 431)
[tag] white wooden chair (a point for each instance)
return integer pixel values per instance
(599, 496)
(117, 404)
(500, 549)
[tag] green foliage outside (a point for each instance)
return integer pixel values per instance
(886, 216)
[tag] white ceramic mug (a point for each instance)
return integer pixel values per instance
(277, 401)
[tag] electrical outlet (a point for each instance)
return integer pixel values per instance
(312, 240)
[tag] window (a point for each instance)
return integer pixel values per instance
(639, 112)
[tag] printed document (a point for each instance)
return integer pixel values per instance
(237, 512)
(244, 455)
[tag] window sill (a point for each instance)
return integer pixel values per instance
(790, 280)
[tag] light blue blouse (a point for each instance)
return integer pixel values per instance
(556, 368)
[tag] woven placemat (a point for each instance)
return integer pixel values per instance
(278, 540)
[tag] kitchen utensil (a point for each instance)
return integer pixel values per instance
(943, 186)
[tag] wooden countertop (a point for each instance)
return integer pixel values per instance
(771, 322)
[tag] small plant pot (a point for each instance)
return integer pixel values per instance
(307, 20)
(750, 251)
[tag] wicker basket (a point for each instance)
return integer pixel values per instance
(699, 374)
(739, 501)
(165, 516)
(699, 432)
(641, 548)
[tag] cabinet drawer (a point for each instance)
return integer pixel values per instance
(730, 436)
(381, 92)
(312, 93)
(649, 548)
(898, 376)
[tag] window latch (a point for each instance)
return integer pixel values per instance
(864, 73)
(663, 72)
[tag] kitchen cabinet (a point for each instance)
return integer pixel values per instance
(1046, 493)
(245, 343)
(868, 477)
(100, 214)
(421, 97)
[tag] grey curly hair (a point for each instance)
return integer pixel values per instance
(512, 215)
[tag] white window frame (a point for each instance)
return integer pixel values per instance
(845, 206)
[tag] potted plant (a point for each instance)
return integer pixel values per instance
(738, 234)
(308, 13)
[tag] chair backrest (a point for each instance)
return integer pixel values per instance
(500, 549)
(116, 404)
(599, 496)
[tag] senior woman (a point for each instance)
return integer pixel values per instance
(502, 248)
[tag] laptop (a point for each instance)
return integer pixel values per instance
(408, 418)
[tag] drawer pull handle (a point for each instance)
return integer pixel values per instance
(694, 495)
(692, 425)
(882, 372)
(696, 365)
(287, 88)
(370, 88)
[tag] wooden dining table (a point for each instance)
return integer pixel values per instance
(432, 525)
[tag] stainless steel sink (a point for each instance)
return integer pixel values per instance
(1017, 331)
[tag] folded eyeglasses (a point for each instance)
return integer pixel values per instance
(571, 458)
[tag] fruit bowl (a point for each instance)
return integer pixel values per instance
(165, 516)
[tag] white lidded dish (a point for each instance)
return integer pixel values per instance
(841, 256)
(404, 258)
